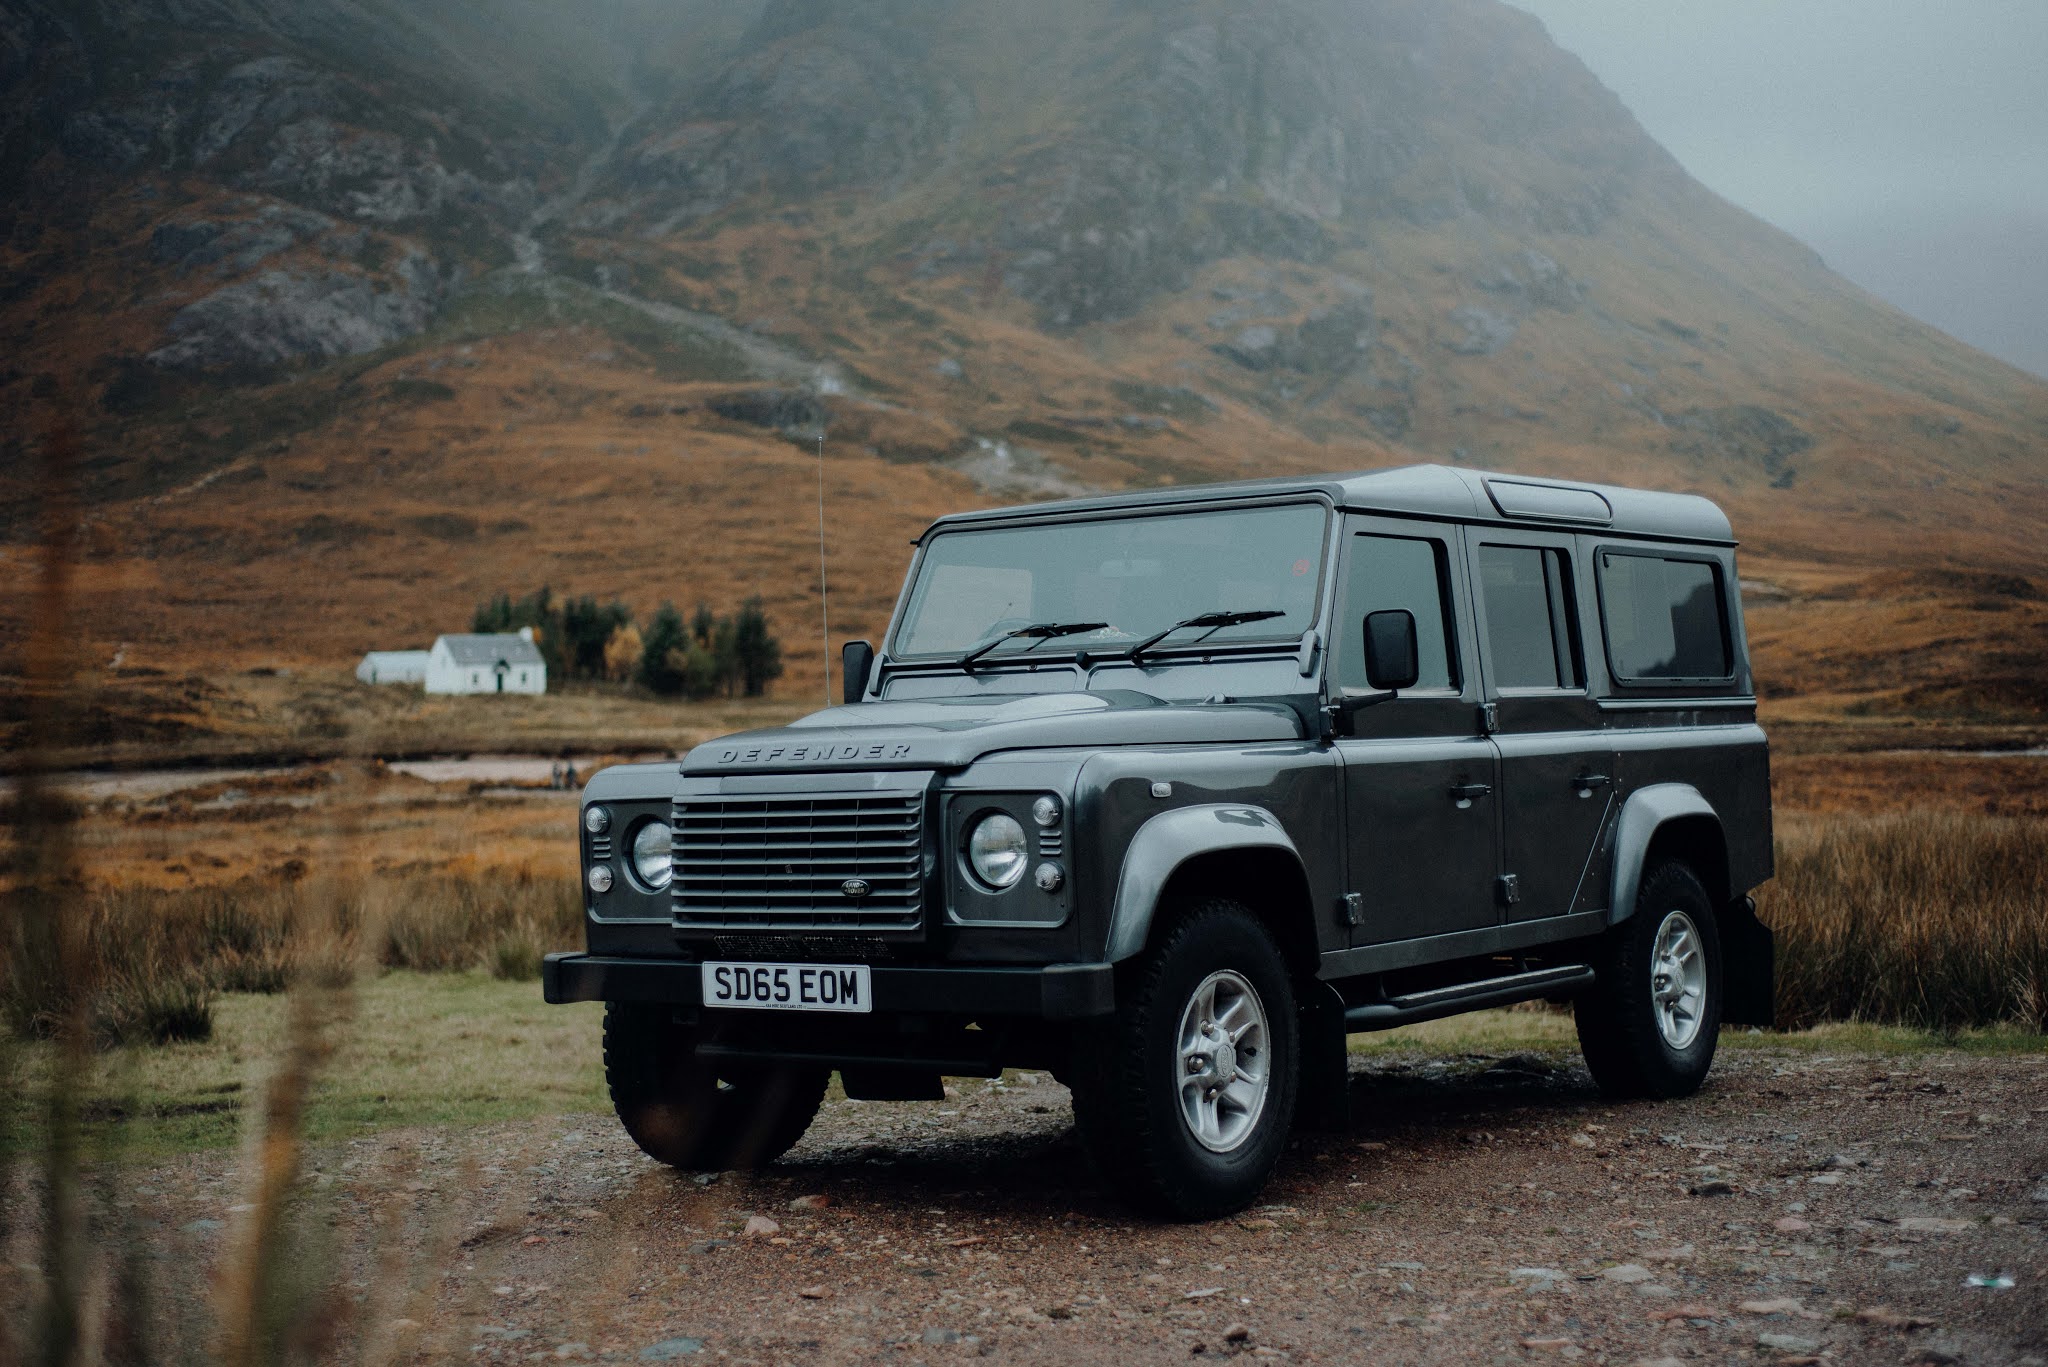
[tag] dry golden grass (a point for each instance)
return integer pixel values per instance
(158, 960)
(1921, 917)
(1804, 783)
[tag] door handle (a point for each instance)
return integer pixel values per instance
(1463, 793)
(1591, 781)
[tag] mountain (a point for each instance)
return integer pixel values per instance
(370, 310)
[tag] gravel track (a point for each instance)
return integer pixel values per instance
(1482, 1208)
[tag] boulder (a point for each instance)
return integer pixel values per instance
(282, 318)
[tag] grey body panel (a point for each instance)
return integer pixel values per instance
(616, 782)
(1421, 859)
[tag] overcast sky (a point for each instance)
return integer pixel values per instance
(1904, 140)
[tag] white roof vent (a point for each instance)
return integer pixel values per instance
(1549, 502)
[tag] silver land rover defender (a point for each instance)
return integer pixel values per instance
(1168, 792)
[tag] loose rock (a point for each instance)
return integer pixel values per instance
(1891, 1319)
(1788, 1343)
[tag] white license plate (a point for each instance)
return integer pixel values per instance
(788, 987)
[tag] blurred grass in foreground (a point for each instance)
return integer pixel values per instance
(420, 1049)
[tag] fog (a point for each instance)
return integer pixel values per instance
(1906, 141)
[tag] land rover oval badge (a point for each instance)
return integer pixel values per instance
(855, 887)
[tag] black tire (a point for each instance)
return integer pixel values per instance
(1129, 1077)
(1625, 1032)
(689, 1115)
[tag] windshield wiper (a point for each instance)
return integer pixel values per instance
(1215, 621)
(1044, 631)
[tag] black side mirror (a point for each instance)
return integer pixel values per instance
(856, 663)
(1391, 659)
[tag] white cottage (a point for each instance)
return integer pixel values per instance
(487, 664)
(394, 666)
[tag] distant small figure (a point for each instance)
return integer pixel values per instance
(569, 776)
(555, 776)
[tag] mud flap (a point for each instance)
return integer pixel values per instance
(1325, 1091)
(1748, 967)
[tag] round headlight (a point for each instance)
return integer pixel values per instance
(653, 858)
(996, 850)
(597, 820)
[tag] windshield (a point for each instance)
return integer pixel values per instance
(1135, 574)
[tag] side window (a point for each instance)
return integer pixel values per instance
(1664, 617)
(1529, 624)
(1397, 572)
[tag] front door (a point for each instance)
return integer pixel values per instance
(1557, 768)
(1420, 780)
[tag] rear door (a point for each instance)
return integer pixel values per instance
(1557, 767)
(1420, 778)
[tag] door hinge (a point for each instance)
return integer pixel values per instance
(1510, 888)
(1351, 909)
(1489, 718)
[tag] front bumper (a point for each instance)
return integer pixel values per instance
(1053, 992)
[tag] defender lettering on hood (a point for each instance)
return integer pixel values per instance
(810, 754)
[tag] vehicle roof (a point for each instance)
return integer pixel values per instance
(1433, 491)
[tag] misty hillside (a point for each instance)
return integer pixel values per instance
(394, 292)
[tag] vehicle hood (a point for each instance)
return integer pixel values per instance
(950, 733)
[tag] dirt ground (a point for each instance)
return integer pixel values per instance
(1805, 1207)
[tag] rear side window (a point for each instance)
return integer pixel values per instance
(1664, 618)
(1529, 635)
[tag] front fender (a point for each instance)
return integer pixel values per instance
(1169, 840)
(1645, 811)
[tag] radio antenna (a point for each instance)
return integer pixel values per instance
(824, 603)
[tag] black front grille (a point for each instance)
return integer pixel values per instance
(784, 861)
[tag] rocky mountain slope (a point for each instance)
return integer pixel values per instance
(368, 310)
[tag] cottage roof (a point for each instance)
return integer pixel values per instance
(510, 647)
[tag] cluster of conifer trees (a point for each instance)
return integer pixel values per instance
(701, 656)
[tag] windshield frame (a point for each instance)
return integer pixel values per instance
(891, 661)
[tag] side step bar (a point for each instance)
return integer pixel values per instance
(1438, 1002)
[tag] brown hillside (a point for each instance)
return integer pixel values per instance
(366, 323)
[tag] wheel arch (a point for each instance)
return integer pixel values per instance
(1667, 821)
(1215, 850)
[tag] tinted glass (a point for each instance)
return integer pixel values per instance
(1663, 618)
(1137, 574)
(1395, 572)
(1528, 617)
